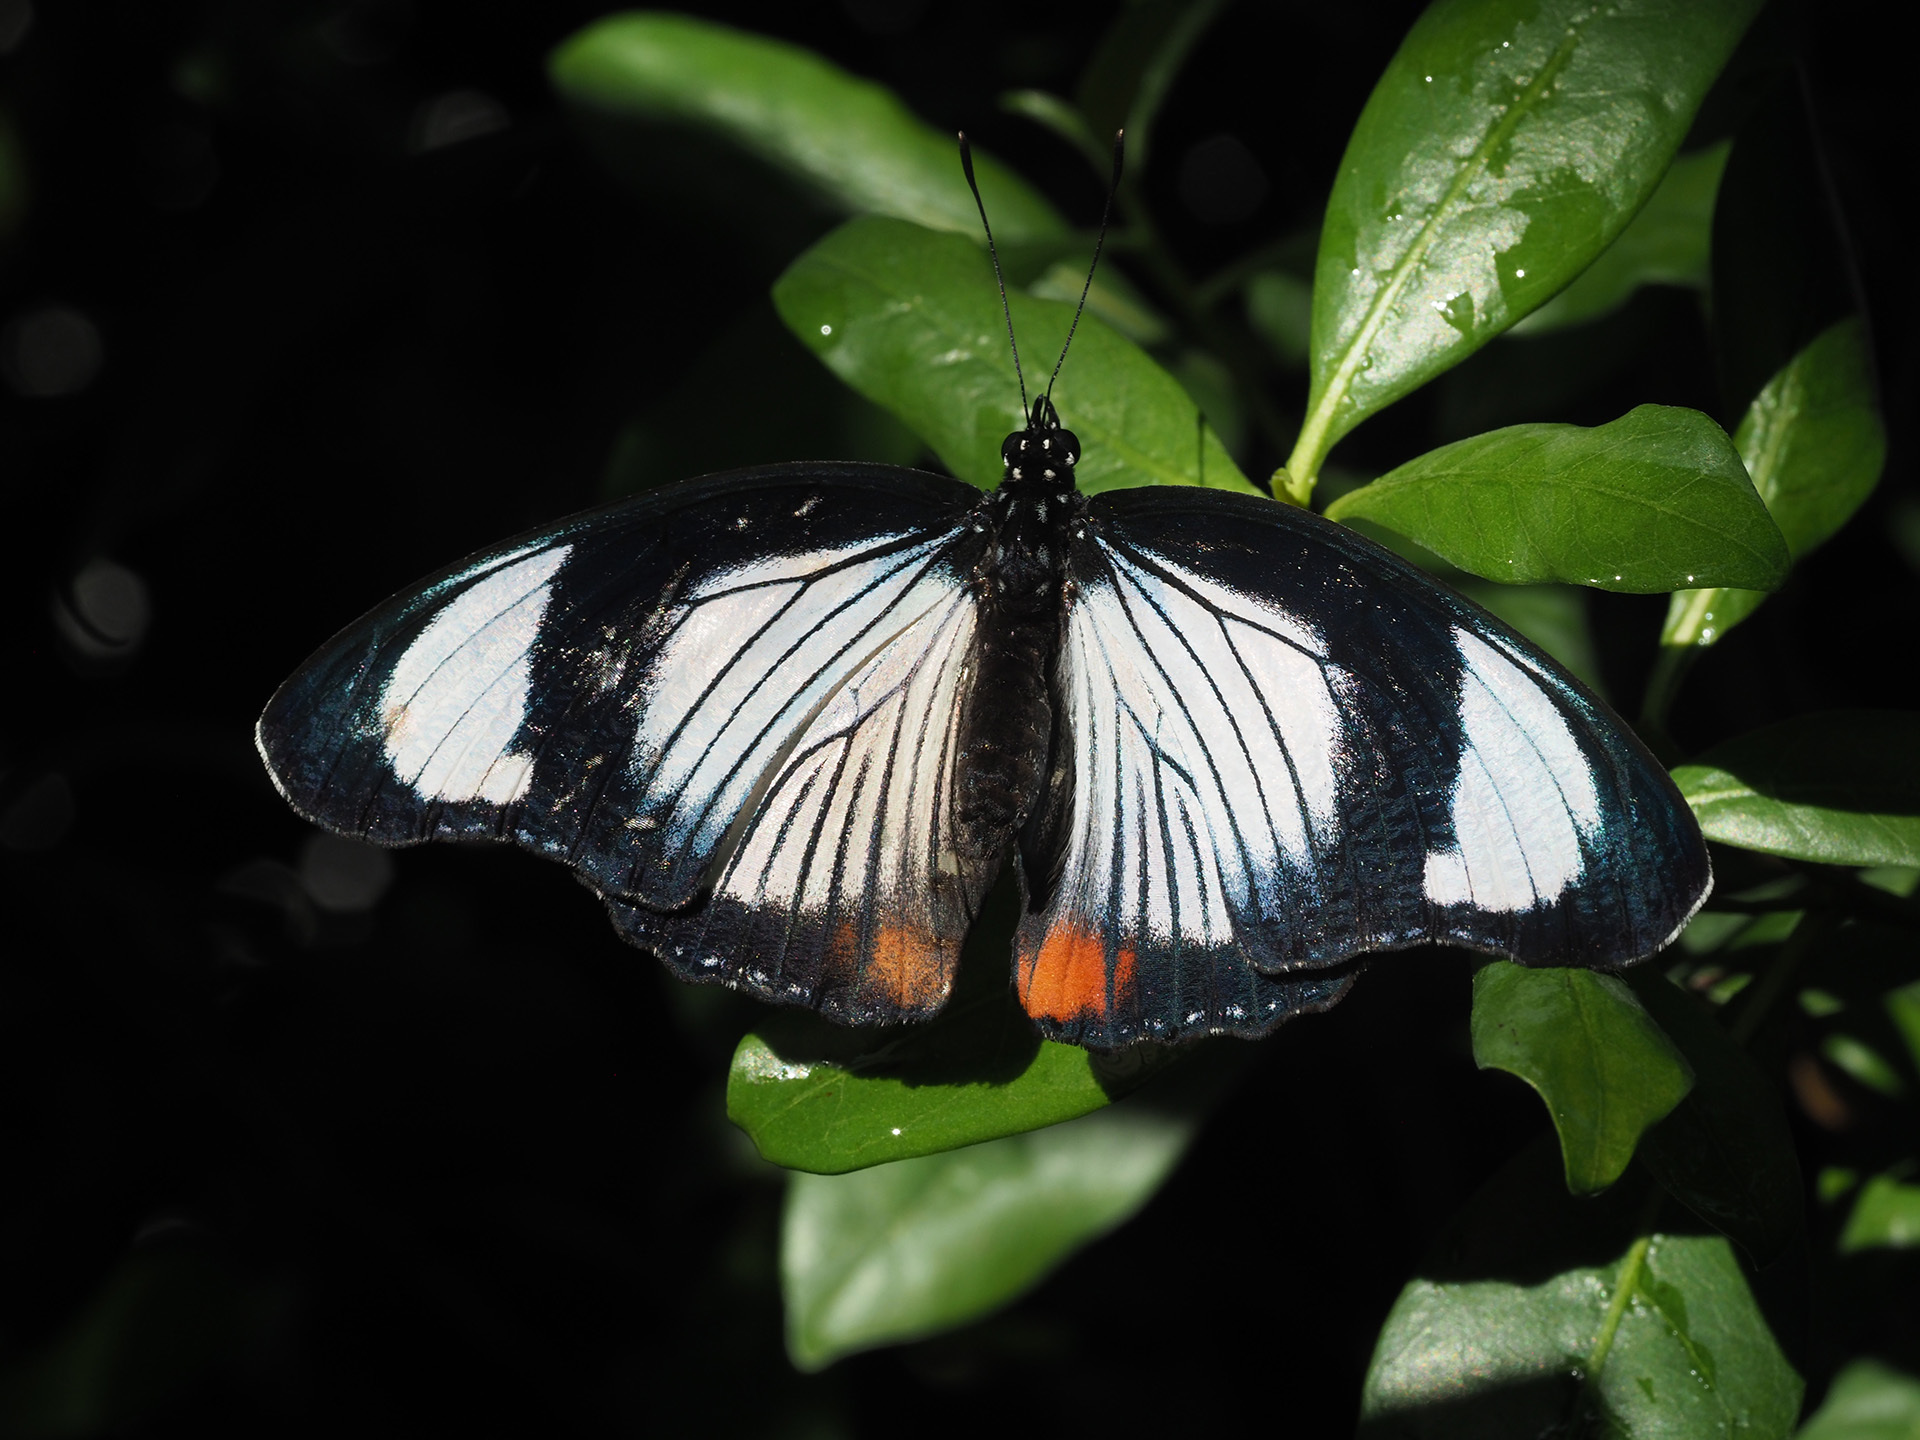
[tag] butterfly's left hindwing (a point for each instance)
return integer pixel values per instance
(728, 705)
(1280, 746)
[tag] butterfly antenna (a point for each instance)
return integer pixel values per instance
(1106, 213)
(966, 164)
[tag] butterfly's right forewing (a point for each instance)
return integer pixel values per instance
(700, 700)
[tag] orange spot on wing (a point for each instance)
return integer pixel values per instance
(1068, 977)
(908, 968)
(1123, 977)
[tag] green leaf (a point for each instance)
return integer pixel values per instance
(1868, 1401)
(911, 319)
(1135, 65)
(1668, 243)
(1652, 501)
(1903, 1008)
(1842, 788)
(908, 1249)
(1886, 1216)
(1604, 1068)
(823, 1098)
(1814, 444)
(1064, 119)
(1541, 1314)
(1507, 144)
(1725, 1151)
(850, 142)
(1280, 309)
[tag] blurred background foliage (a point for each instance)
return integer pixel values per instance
(297, 301)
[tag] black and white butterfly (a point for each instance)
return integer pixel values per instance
(791, 722)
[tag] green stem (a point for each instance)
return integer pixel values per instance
(1632, 1266)
(1670, 669)
(1623, 1288)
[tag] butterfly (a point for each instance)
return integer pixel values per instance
(791, 722)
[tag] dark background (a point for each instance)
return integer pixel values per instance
(301, 301)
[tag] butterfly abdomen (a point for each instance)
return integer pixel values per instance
(1007, 726)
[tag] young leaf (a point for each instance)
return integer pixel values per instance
(1725, 1152)
(1842, 788)
(908, 1249)
(911, 319)
(1668, 243)
(1604, 1068)
(1868, 1401)
(1649, 502)
(1885, 1216)
(1541, 1314)
(1504, 148)
(1814, 444)
(852, 143)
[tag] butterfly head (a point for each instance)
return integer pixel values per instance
(1043, 454)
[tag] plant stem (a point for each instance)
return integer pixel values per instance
(1670, 669)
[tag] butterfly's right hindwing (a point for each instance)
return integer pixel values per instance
(701, 700)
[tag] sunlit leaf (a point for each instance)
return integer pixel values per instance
(1604, 1068)
(1506, 146)
(1841, 787)
(852, 143)
(1886, 1215)
(1654, 500)
(1868, 1401)
(908, 1249)
(1542, 1314)
(1814, 444)
(1725, 1151)
(1668, 243)
(910, 318)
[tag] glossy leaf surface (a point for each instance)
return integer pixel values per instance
(907, 1249)
(1814, 444)
(852, 143)
(1652, 501)
(911, 319)
(1725, 1151)
(1842, 788)
(1504, 148)
(1668, 243)
(1542, 1314)
(1868, 1401)
(1603, 1066)
(822, 1098)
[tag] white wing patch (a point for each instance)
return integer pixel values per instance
(1518, 839)
(454, 701)
(739, 680)
(863, 804)
(1207, 743)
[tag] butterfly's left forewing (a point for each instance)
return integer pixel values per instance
(1286, 748)
(729, 706)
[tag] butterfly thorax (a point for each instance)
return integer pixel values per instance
(1033, 513)
(1008, 725)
